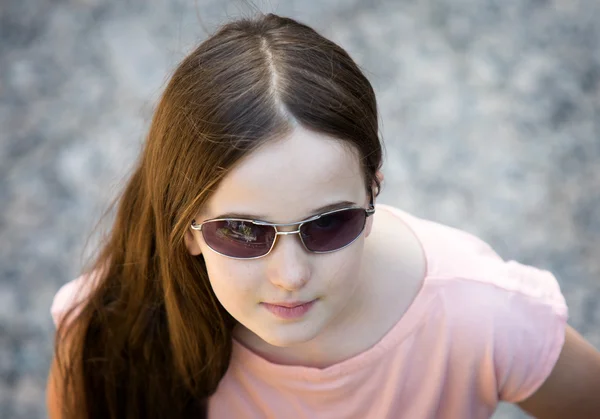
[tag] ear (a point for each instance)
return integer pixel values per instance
(380, 177)
(369, 224)
(191, 242)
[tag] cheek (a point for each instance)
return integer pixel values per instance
(341, 271)
(232, 281)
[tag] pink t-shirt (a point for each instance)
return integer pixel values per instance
(481, 330)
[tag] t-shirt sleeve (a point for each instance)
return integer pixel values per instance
(529, 330)
(69, 295)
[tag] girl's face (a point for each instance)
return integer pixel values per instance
(284, 182)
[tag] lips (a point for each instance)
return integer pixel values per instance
(289, 305)
(288, 311)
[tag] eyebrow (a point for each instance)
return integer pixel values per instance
(324, 208)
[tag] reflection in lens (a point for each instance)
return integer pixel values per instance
(239, 239)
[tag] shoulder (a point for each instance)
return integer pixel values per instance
(69, 295)
(472, 284)
(495, 300)
(462, 263)
(507, 288)
(475, 281)
(506, 318)
(65, 303)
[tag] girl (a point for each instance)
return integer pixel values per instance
(250, 274)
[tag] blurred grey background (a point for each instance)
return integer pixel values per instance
(489, 110)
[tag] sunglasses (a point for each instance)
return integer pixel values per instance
(251, 239)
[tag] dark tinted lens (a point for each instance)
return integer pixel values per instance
(333, 231)
(239, 239)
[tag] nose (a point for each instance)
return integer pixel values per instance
(288, 264)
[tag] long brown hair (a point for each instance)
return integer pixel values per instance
(151, 340)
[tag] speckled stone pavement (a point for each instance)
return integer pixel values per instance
(489, 110)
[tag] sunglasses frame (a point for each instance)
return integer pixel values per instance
(368, 212)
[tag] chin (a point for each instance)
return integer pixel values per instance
(293, 336)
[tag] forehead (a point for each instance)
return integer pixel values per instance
(285, 179)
